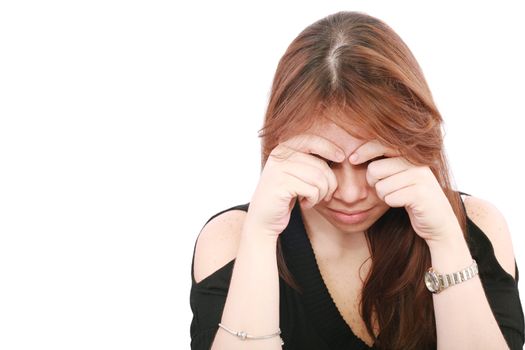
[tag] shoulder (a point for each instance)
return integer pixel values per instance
(490, 220)
(217, 243)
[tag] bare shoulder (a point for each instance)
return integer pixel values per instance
(490, 220)
(217, 243)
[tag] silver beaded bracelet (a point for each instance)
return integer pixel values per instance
(245, 336)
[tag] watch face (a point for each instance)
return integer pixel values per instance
(431, 281)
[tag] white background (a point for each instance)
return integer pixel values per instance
(124, 125)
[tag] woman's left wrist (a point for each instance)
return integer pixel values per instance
(450, 252)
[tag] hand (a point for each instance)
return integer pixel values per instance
(402, 184)
(295, 168)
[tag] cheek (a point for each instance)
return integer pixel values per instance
(382, 207)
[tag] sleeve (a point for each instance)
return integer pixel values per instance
(500, 288)
(207, 299)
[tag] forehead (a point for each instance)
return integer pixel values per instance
(333, 132)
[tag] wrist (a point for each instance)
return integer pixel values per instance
(450, 253)
(251, 232)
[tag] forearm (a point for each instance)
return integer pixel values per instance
(464, 319)
(252, 304)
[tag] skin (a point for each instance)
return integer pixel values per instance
(329, 169)
(375, 177)
(352, 194)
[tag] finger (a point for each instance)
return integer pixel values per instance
(284, 153)
(370, 150)
(403, 197)
(393, 183)
(314, 144)
(310, 175)
(322, 165)
(408, 188)
(332, 184)
(306, 193)
(383, 168)
(404, 179)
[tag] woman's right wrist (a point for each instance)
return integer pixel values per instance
(251, 231)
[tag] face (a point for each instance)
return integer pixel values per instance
(355, 206)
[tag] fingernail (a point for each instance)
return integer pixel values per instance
(354, 157)
(340, 156)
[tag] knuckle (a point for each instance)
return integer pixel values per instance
(379, 187)
(331, 180)
(373, 169)
(389, 200)
(315, 194)
(280, 153)
(319, 177)
(370, 179)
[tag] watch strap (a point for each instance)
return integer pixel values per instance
(451, 279)
(447, 280)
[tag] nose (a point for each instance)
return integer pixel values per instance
(351, 183)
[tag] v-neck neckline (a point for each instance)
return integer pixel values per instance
(324, 314)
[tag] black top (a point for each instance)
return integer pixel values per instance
(310, 319)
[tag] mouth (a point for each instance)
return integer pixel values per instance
(353, 212)
(350, 217)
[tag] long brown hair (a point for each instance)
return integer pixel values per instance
(357, 65)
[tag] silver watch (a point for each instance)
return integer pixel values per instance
(437, 282)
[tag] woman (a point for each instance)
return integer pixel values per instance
(354, 237)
